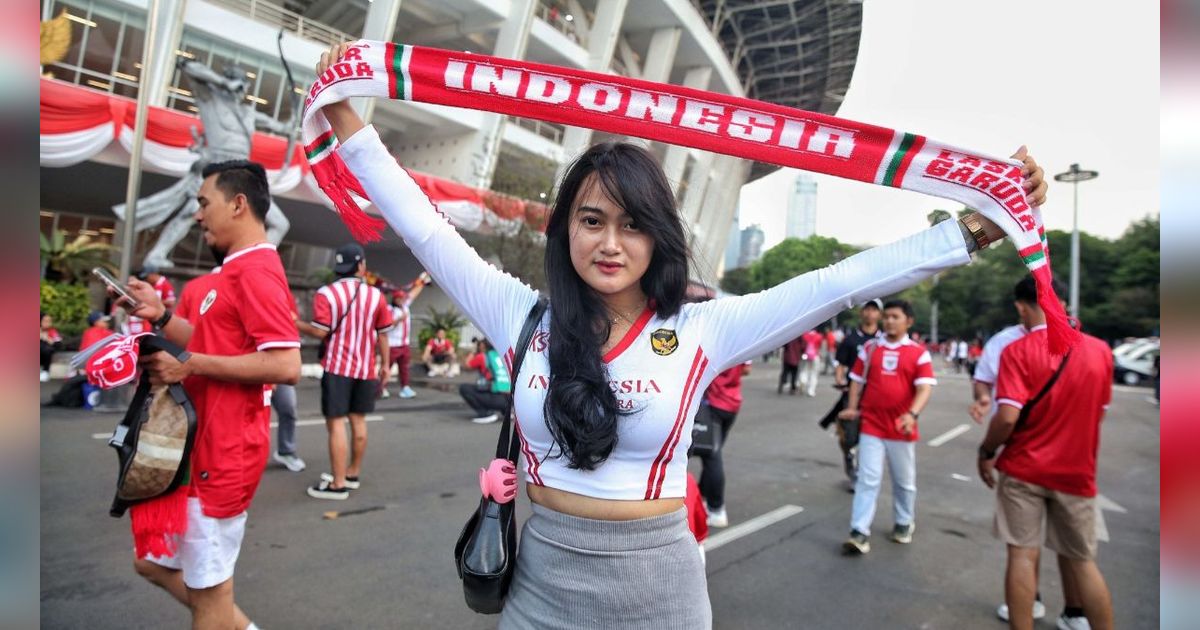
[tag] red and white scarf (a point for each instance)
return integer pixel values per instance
(674, 114)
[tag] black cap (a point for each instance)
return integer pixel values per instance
(347, 258)
(147, 270)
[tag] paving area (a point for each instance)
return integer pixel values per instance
(386, 560)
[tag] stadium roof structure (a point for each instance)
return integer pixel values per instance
(797, 53)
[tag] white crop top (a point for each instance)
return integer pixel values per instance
(661, 368)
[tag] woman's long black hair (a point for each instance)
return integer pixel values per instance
(581, 410)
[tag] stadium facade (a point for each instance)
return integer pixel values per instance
(799, 53)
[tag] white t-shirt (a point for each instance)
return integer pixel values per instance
(989, 362)
(662, 367)
(398, 336)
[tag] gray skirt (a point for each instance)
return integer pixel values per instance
(577, 572)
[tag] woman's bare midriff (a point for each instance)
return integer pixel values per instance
(599, 509)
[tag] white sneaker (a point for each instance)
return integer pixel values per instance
(407, 392)
(385, 393)
(351, 482)
(289, 461)
(718, 518)
(1072, 623)
(486, 419)
(1039, 611)
(324, 490)
(44, 377)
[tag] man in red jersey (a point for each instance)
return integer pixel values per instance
(241, 338)
(809, 360)
(723, 400)
(1048, 426)
(893, 379)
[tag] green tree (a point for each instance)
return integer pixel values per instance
(737, 281)
(793, 257)
(71, 262)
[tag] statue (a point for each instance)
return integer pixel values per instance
(229, 124)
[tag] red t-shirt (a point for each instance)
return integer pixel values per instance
(830, 341)
(792, 351)
(440, 346)
(166, 293)
(244, 308)
(92, 335)
(812, 345)
(1056, 446)
(891, 382)
(478, 361)
(725, 392)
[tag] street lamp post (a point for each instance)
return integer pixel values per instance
(1074, 175)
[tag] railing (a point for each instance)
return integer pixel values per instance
(276, 15)
(550, 131)
(557, 18)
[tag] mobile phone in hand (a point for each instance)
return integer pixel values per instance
(116, 287)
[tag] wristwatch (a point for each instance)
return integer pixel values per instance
(973, 228)
(915, 415)
(986, 454)
(161, 322)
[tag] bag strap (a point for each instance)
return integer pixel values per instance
(148, 345)
(347, 311)
(508, 444)
(1028, 408)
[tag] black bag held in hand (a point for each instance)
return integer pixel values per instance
(486, 552)
(164, 417)
(706, 432)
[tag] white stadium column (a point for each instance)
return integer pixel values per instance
(603, 33)
(379, 26)
(511, 43)
(698, 185)
(676, 157)
(660, 57)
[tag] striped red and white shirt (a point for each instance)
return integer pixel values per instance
(351, 344)
(662, 366)
(398, 336)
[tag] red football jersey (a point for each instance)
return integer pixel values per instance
(244, 308)
(890, 383)
(355, 313)
(1055, 447)
(812, 345)
(725, 392)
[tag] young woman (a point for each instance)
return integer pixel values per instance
(605, 397)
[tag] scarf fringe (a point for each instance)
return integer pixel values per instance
(337, 182)
(158, 524)
(1060, 336)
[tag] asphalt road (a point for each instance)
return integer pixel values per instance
(386, 560)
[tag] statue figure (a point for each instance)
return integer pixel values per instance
(229, 124)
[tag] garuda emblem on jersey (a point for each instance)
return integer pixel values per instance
(891, 361)
(663, 341)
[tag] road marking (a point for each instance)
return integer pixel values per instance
(308, 422)
(1105, 503)
(959, 477)
(751, 526)
(950, 435)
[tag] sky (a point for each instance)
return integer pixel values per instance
(1075, 80)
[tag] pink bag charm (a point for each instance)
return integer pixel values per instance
(499, 481)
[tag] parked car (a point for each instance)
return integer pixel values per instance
(1133, 363)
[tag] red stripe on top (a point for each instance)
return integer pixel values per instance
(630, 335)
(662, 471)
(531, 462)
(1032, 249)
(918, 142)
(389, 53)
(662, 453)
(319, 140)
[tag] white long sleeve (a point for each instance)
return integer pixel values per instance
(497, 302)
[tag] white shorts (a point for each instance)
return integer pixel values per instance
(209, 549)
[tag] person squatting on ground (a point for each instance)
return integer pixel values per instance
(723, 399)
(439, 357)
(1047, 432)
(488, 396)
(350, 316)
(242, 339)
(810, 359)
(400, 338)
(891, 382)
(791, 354)
(602, 398)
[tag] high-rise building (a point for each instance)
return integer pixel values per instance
(802, 207)
(752, 242)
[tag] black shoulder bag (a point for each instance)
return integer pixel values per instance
(164, 417)
(1028, 408)
(486, 552)
(323, 347)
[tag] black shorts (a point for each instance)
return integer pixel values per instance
(342, 395)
